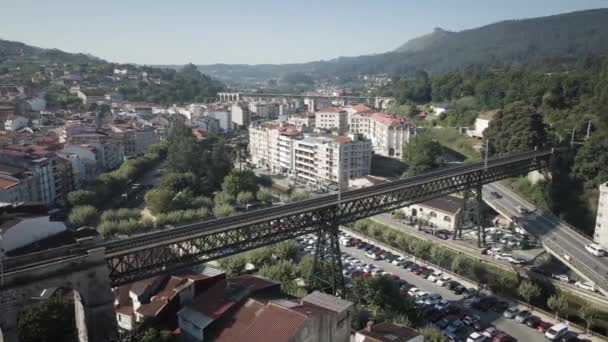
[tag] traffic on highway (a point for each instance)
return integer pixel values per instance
(451, 304)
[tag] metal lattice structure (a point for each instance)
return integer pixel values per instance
(155, 253)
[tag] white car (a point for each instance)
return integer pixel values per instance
(413, 291)
(561, 277)
(517, 261)
(372, 256)
(586, 286)
(443, 280)
(489, 332)
(522, 210)
(476, 337)
(595, 249)
(442, 304)
(398, 261)
(503, 256)
(435, 276)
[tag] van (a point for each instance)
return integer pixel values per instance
(556, 331)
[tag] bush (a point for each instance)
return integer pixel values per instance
(299, 196)
(223, 198)
(264, 196)
(223, 210)
(121, 214)
(245, 197)
(160, 200)
(82, 215)
(82, 197)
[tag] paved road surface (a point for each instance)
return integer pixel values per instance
(520, 331)
(554, 233)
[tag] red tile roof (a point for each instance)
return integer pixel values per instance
(274, 324)
(389, 120)
(343, 139)
(362, 107)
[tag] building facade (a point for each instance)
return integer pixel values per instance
(389, 134)
(601, 222)
(332, 118)
(442, 213)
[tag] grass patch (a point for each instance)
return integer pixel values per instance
(452, 139)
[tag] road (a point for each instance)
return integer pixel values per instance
(520, 331)
(553, 233)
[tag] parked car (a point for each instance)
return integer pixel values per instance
(490, 332)
(413, 291)
(532, 321)
(511, 312)
(502, 337)
(469, 320)
(442, 304)
(484, 304)
(454, 326)
(412, 267)
(419, 270)
(433, 299)
(522, 316)
(406, 263)
(459, 289)
(500, 306)
(495, 195)
(443, 280)
(561, 277)
(556, 331)
(543, 326)
(451, 285)
(435, 276)
(427, 272)
(470, 292)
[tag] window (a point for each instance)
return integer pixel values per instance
(432, 214)
(447, 219)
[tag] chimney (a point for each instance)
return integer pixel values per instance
(369, 326)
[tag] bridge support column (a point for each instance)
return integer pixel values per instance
(481, 230)
(327, 268)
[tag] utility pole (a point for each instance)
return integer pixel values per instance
(588, 130)
(572, 137)
(485, 162)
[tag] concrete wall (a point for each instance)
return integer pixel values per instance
(88, 275)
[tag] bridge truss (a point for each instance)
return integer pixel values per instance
(151, 254)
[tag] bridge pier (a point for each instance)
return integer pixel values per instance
(327, 268)
(86, 275)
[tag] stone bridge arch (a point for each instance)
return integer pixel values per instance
(86, 275)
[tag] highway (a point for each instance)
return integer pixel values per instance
(555, 235)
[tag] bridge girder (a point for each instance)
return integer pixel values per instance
(134, 260)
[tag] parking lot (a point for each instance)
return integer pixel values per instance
(444, 306)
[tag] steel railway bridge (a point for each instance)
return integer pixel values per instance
(146, 255)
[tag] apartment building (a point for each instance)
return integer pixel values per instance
(135, 141)
(388, 133)
(16, 184)
(271, 146)
(329, 162)
(43, 186)
(304, 122)
(332, 118)
(240, 115)
(111, 154)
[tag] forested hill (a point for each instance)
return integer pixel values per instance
(17, 52)
(563, 37)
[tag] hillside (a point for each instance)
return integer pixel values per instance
(17, 52)
(561, 38)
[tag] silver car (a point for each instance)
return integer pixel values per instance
(510, 312)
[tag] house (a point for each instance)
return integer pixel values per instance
(387, 332)
(442, 212)
(482, 122)
(249, 308)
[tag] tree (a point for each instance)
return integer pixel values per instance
(154, 335)
(516, 128)
(240, 181)
(528, 291)
(264, 196)
(223, 210)
(440, 255)
(82, 215)
(260, 257)
(588, 314)
(233, 265)
(379, 293)
(160, 200)
(461, 265)
(306, 266)
(423, 154)
(558, 303)
(286, 250)
(591, 160)
(360, 317)
(223, 198)
(481, 274)
(48, 321)
(245, 197)
(82, 197)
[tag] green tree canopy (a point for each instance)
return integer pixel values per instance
(82, 197)
(422, 154)
(50, 320)
(82, 215)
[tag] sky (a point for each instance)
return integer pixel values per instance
(250, 31)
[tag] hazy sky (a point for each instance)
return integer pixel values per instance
(250, 31)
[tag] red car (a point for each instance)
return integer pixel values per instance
(543, 326)
(420, 269)
(502, 337)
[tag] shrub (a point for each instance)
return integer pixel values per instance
(82, 215)
(264, 196)
(82, 197)
(245, 197)
(223, 210)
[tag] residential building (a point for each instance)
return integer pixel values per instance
(15, 123)
(271, 146)
(6, 111)
(482, 123)
(43, 171)
(207, 124)
(111, 153)
(329, 162)
(16, 184)
(21, 230)
(135, 140)
(387, 332)
(442, 212)
(601, 222)
(223, 116)
(389, 134)
(240, 115)
(77, 168)
(304, 122)
(332, 118)
(86, 162)
(90, 96)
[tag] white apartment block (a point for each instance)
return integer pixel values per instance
(304, 122)
(388, 133)
(321, 161)
(332, 118)
(601, 223)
